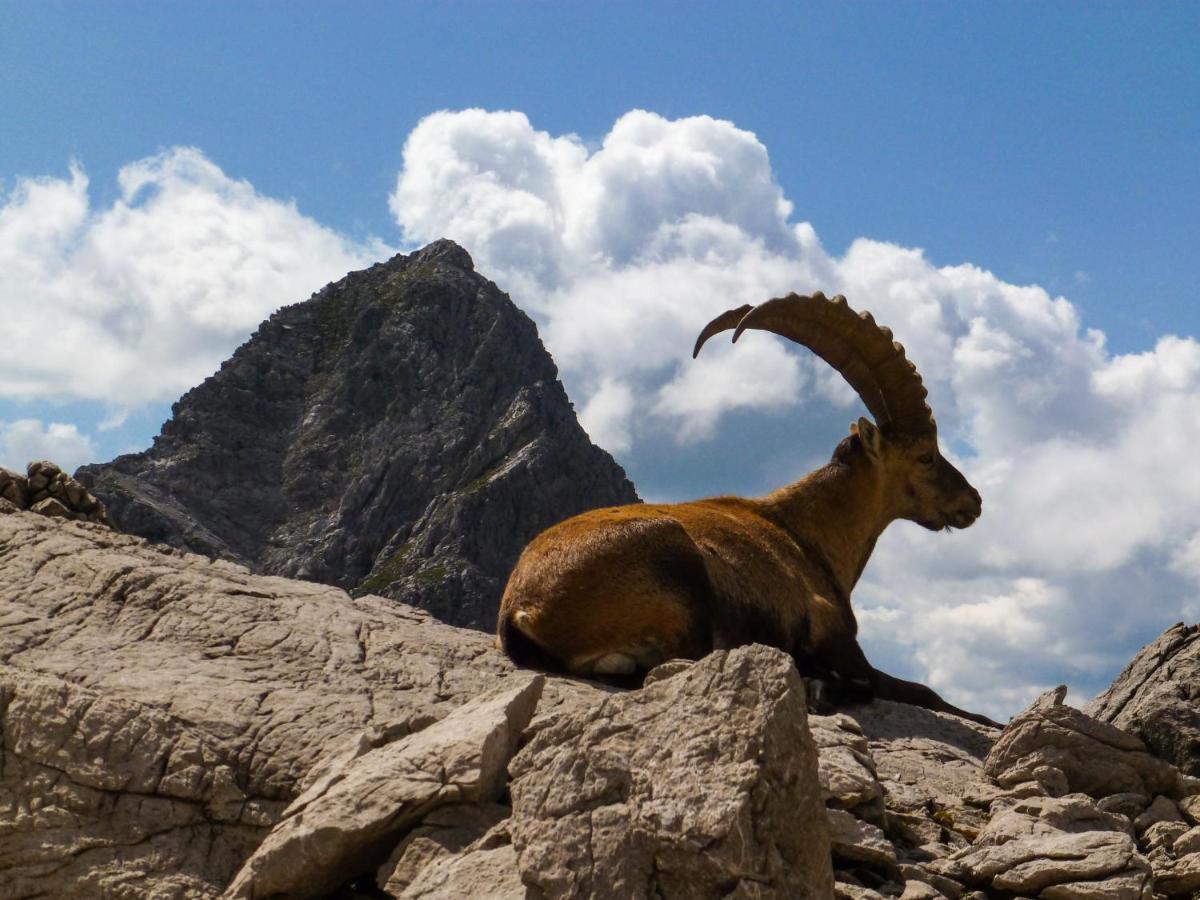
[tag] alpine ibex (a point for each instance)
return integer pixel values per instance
(616, 591)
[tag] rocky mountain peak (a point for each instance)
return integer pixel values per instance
(402, 432)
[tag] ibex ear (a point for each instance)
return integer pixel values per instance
(868, 434)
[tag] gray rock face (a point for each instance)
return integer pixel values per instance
(703, 784)
(159, 710)
(332, 832)
(1054, 847)
(1066, 750)
(1156, 697)
(402, 433)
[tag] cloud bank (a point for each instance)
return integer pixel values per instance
(1090, 542)
(140, 300)
(27, 440)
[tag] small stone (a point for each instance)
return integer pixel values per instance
(912, 828)
(947, 886)
(1127, 804)
(15, 494)
(1187, 843)
(1164, 835)
(1190, 807)
(76, 493)
(861, 843)
(1163, 809)
(920, 890)
(43, 467)
(1051, 698)
(51, 507)
(100, 515)
(14, 487)
(844, 890)
(1053, 779)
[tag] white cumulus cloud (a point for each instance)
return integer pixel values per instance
(139, 300)
(25, 440)
(622, 251)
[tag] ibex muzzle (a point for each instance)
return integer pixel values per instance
(615, 591)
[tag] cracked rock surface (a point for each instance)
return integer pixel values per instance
(700, 785)
(403, 433)
(1066, 750)
(159, 711)
(1157, 697)
(358, 809)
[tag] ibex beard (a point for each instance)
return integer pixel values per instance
(615, 591)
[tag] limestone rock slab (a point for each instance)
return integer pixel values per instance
(1155, 697)
(445, 832)
(121, 662)
(700, 785)
(1062, 747)
(1043, 842)
(340, 826)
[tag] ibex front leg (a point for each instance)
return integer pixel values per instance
(852, 668)
(888, 687)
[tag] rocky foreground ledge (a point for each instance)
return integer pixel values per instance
(177, 727)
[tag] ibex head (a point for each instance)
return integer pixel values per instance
(918, 483)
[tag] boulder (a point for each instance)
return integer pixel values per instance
(349, 818)
(1155, 698)
(1066, 750)
(700, 785)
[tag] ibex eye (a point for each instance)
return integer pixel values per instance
(925, 459)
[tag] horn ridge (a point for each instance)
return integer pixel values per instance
(862, 351)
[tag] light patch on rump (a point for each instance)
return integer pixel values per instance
(615, 664)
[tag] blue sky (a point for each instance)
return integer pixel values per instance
(1040, 140)
(1046, 159)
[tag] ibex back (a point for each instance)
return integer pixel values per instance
(616, 591)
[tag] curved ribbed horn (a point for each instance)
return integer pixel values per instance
(863, 352)
(723, 322)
